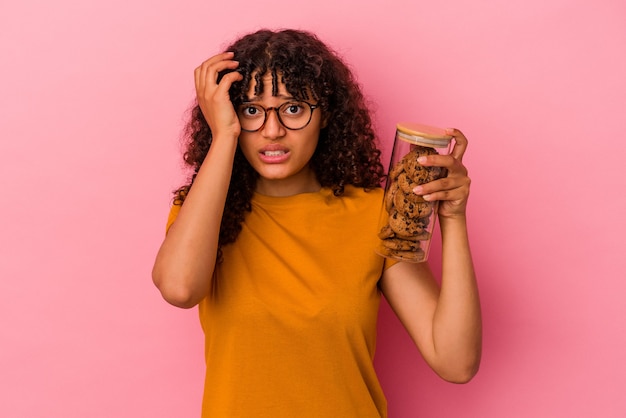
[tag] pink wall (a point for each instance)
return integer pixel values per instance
(91, 103)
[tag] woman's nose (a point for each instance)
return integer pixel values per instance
(273, 128)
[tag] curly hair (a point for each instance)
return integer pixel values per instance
(346, 153)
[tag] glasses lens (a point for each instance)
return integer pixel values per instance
(294, 115)
(251, 117)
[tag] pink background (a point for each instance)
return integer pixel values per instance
(92, 97)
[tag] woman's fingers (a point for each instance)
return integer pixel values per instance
(227, 81)
(448, 188)
(213, 98)
(460, 143)
(454, 165)
(454, 186)
(453, 190)
(206, 74)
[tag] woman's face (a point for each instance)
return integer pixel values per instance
(281, 156)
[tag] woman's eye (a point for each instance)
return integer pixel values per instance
(292, 109)
(250, 111)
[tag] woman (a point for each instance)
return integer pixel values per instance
(274, 238)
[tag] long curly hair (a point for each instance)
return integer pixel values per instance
(346, 153)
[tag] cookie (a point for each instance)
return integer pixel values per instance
(412, 256)
(396, 170)
(422, 235)
(403, 226)
(423, 221)
(436, 173)
(400, 244)
(411, 205)
(390, 196)
(386, 232)
(409, 161)
(405, 183)
(418, 173)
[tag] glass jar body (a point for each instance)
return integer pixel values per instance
(407, 220)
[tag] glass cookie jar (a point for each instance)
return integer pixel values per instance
(407, 220)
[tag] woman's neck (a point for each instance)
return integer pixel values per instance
(303, 182)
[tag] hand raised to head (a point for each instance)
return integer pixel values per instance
(213, 98)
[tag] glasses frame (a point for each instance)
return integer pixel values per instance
(275, 109)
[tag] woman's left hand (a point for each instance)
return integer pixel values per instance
(451, 191)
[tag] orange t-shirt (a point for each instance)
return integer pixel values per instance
(290, 326)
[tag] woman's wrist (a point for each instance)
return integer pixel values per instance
(453, 220)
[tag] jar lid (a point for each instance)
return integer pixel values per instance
(429, 136)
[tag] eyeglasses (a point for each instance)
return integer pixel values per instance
(292, 115)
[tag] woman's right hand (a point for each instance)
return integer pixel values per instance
(213, 98)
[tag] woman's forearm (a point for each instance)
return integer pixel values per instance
(185, 262)
(457, 323)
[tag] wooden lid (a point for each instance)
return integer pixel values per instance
(423, 134)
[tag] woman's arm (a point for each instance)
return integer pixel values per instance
(185, 262)
(444, 322)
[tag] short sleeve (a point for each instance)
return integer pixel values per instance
(172, 216)
(389, 262)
